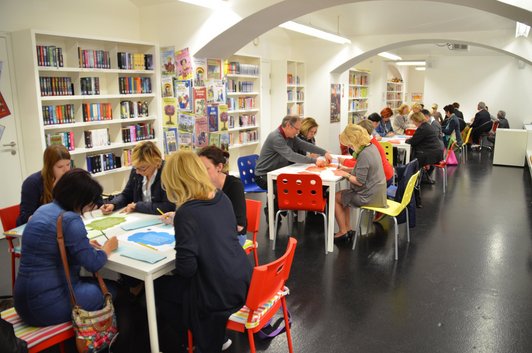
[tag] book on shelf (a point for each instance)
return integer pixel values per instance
(56, 86)
(49, 55)
(167, 86)
(96, 111)
(183, 93)
(134, 61)
(245, 120)
(183, 65)
(214, 69)
(134, 85)
(212, 115)
(103, 162)
(200, 71)
(131, 109)
(97, 138)
(170, 111)
(201, 131)
(58, 114)
(89, 86)
(168, 61)
(61, 138)
(94, 59)
(237, 68)
(215, 91)
(200, 101)
(223, 117)
(186, 123)
(185, 140)
(137, 132)
(214, 139)
(224, 141)
(170, 140)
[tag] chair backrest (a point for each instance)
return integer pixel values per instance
(269, 279)
(388, 150)
(246, 168)
(495, 126)
(253, 216)
(407, 196)
(8, 216)
(410, 132)
(468, 135)
(302, 192)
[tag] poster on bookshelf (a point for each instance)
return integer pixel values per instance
(336, 100)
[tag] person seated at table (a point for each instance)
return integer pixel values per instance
(386, 166)
(215, 160)
(143, 192)
(37, 188)
(385, 129)
(452, 125)
(433, 122)
(212, 272)
(367, 183)
(401, 121)
(308, 131)
(481, 122)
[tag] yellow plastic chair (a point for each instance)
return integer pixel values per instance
(463, 148)
(388, 150)
(393, 210)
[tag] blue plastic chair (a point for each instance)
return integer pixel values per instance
(246, 167)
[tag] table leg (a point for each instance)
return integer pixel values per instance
(152, 317)
(271, 208)
(407, 157)
(330, 221)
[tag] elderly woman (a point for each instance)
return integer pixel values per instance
(307, 132)
(212, 273)
(367, 183)
(143, 192)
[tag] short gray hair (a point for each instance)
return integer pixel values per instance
(290, 120)
(501, 114)
(481, 105)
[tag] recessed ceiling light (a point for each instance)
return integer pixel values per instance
(410, 63)
(390, 56)
(314, 32)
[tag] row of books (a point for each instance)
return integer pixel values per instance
(97, 111)
(247, 136)
(236, 68)
(131, 85)
(94, 59)
(56, 86)
(358, 79)
(394, 95)
(138, 132)
(97, 138)
(358, 92)
(240, 103)
(61, 138)
(58, 114)
(299, 95)
(134, 61)
(127, 158)
(358, 105)
(292, 79)
(90, 86)
(131, 110)
(295, 109)
(235, 86)
(103, 162)
(49, 55)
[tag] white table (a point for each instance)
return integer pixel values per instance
(402, 144)
(327, 178)
(138, 269)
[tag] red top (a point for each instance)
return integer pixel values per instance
(388, 169)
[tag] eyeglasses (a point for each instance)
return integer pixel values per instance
(297, 129)
(142, 169)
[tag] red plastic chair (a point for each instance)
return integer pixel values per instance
(300, 192)
(253, 223)
(442, 165)
(410, 132)
(266, 294)
(9, 215)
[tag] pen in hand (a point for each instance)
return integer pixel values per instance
(103, 233)
(162, 213)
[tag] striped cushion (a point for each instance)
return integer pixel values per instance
(33, 335)
(241, 316)
(248, 244)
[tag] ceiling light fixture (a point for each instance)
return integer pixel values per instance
(421, 68)
(410, 63)
(521, 30)
(314, 32)
(210, 4)
(390, 56)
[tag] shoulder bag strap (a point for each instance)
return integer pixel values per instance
(62, 250)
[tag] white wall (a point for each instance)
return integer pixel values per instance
(496, 80)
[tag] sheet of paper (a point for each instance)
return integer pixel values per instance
(144, 255)
(142, 223)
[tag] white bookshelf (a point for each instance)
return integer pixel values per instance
(30, 69)
(295, 88)
(394, 95)
(358, 95)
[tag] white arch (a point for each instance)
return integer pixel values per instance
(244, 31)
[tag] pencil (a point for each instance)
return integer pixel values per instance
(162, 213)
(101, 231)
(148, 246)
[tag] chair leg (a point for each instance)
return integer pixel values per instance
(358, 228)
(13, 272)
(396, 228)
(444, 171)
(287, 326)
(275, 229)
(325, 229)
(407, 225)
(62, 347)
(190, 342)
(251, 340)
(255, 256)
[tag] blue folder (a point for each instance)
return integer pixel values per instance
(140, 224)
(148, 256)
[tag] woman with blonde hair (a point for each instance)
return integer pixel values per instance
(401, 120)
(307, 133)
(37, 188)
(143, 192)
(367, 183)
(212, 272)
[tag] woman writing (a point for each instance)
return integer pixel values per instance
(367, 183)
(143, 192)
(37, 188)
(212, 273)
(307, 133)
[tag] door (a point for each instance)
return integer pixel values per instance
(10, 162)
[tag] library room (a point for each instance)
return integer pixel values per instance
(272, 176)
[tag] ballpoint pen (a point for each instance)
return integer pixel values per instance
(105, 235)
(148, 246)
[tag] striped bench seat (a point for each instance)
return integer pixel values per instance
(38, 338)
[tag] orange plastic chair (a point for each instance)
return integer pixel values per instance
(266, 294)
(9, 215)
(253, 223)
(300, 192)
(442, 165)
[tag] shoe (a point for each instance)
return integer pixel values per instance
(344, 237)
(227, 344)
(378, 216)
(428, 181)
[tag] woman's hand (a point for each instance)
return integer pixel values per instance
(129, 208)
(95, 244)
(107, 208)
(321, 162)
(110, 245)
(391, 133)
(167, 218)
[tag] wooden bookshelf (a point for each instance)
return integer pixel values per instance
(358, 95)
(91, 78)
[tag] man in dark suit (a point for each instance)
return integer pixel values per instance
(481, 123)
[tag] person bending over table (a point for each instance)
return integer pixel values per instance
(37, 188)
(215, 160)
(385, 129)
(308, 131)
(367, 183)
(41, 294)
(143, 192)
(212, 272)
